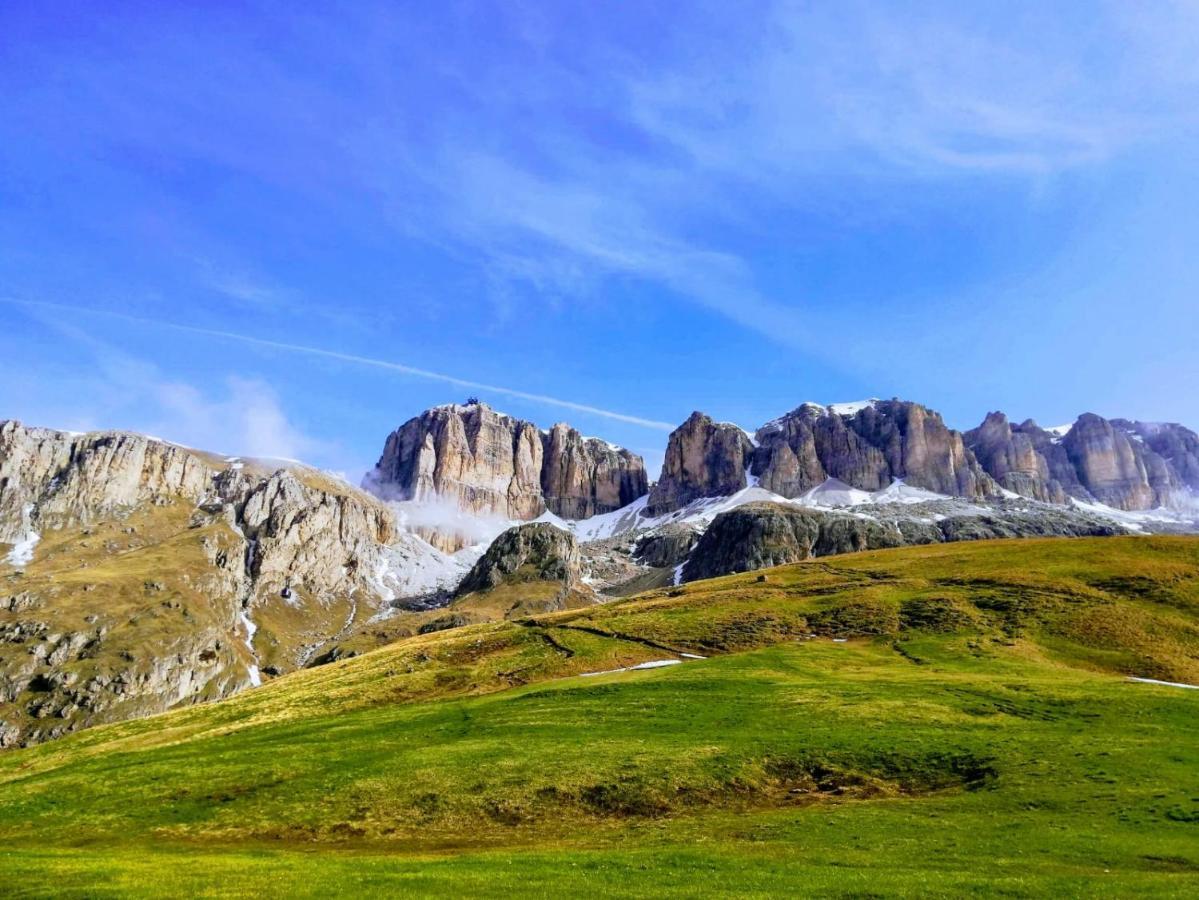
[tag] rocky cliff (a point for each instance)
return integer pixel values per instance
(1176, 445)
(60, 479)
(1025, 459)
(140, 574)
(1124, 464)
(1111, 469)
(703, 459)
(489, 464)
(583, 477)
(867, 446)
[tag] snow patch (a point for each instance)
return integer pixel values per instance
(606, 525)
(412, 567)
(832, 493)
(852, 408)
(1058, 432)
(616, 448)
(1177, 684)
(21, 553)
(1138, 519)
(652, 664)
(251, 628)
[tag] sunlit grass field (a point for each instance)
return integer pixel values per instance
(925, 721)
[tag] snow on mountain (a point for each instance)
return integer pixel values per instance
(1144, 520)
(1059, 432)
(415, 568)
(852, 408)
(21, 553)
(832, 494)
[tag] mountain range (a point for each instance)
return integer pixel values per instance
(137, 575)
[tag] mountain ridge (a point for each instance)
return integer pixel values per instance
(137, 574)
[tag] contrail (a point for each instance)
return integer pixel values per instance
(351, 358)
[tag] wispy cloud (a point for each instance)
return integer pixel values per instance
(553, 172)
(230, 414)
(352, 358)
(542, 228)
(246, 418)
(940, 93)
(746, 118)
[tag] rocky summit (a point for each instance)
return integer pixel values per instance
(486, 463)
(867, 446)
(526, 553)
(1119, 463)
(703, 459)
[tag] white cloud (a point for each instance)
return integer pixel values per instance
(108, 388)
(243, 416)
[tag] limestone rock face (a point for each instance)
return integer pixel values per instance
(304, 538)
(533, 552)
(1111, 468)
(1024, 459)
(486, 463)
(867, 447)
(703, 459)
(665, 546)
(583, 477)
(1176, 445)
(71, 479)
(250, 569)
(481, 461)
(1125, 464)
(760, 535)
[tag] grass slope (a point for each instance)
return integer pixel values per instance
(971, 734)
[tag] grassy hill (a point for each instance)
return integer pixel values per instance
(925, 721)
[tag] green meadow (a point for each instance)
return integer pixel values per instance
(930, 721)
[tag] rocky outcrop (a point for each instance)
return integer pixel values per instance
(867, 446)
(311, 541)
(537, 551)
(1025, 459)
(583, 477)
(665, 546)
(62, 479)
(486, 463)
(703, 459)
(1107, 465)
(172, 575)
(1177, 446)
(1125, 464)
(481, 461)
(760, 535)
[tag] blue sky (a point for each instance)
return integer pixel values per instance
(617, 212)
